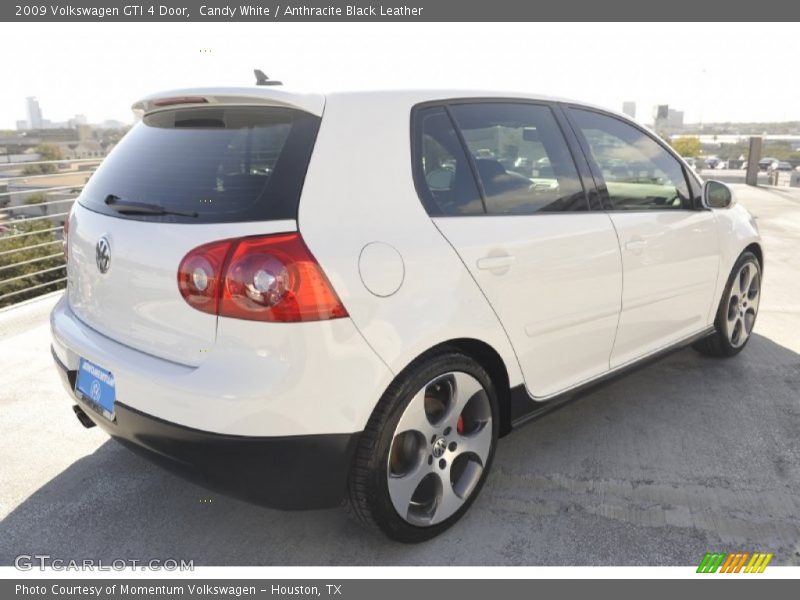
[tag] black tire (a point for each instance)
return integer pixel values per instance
(368, 494)
(717, 344)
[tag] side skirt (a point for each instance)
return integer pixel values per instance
(525, 409)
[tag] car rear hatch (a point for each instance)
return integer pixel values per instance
(199, 167)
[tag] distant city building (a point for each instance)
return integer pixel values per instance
(35, 120)
(77, 121)
(660, 114)
(112, 124)
(660, 111)
(666, 119)
(84, 132)
(675, 119)
(629, 108)
(80, 149)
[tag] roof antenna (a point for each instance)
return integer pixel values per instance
(262, 79)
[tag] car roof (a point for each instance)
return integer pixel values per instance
(421, 95)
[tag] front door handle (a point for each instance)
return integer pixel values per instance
(635, 244)
(495, 263)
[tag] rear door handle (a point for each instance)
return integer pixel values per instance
(492, 263)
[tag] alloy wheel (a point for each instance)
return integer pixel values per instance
(743, 303)
(439, 450)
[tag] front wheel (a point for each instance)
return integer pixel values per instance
(427, 448)
(737, 312)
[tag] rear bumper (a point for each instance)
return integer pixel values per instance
(258, 380)
(287, 472)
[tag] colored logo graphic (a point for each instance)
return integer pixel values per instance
(737, 562)
(95, 390)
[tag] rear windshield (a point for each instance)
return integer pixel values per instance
(207, 165)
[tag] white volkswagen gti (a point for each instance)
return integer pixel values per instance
(307, 299)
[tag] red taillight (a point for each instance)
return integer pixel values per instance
(180, 100)
(200, 275)
(270, 278)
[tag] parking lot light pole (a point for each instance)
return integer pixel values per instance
(753, 156)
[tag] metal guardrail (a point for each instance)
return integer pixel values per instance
(32, 215)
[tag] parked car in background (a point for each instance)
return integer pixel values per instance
(765, 163)
(302, 306)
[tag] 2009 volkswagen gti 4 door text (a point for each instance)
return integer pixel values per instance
(307, 299)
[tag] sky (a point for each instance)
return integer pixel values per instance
(714, 71)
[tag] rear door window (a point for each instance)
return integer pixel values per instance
(521, 158)
(208, 165)
(445, 178)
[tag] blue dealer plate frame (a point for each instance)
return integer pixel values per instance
(97, 386)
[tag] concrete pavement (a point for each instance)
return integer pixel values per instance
(686, 456)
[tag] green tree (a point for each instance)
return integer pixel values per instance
(46, 152)
(687, 145)
(779, 149)
(15, 277)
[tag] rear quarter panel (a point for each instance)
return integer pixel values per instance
(359, 189)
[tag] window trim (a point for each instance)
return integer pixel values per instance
(597, 174)
(418, 175)
(584, 168)
(416, 139)
(473, 167)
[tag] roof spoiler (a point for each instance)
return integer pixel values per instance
(269, 95)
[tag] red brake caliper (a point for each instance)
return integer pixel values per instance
(460, 424)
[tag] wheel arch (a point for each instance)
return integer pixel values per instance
(755, 248)
(490, 359)
(717, 343)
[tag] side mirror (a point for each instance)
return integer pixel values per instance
(716, 195)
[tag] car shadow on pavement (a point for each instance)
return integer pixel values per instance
(685, 456)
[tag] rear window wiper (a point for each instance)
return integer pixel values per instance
(128, 207)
